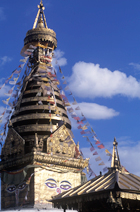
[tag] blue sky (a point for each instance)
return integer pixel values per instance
(99, 53)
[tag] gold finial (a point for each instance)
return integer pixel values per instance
(40, 11)
(41, 5)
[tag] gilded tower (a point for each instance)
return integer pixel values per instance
(39, 158)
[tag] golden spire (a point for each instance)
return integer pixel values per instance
(115, 156)
(40, 12)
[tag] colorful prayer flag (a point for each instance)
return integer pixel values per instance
(101, 146)
(98, 158)
(82, 132)
(76, 118)
(95, 153)
(80, 122)
(70, 110)
(92, 148)
(79, 127)
(105, 169)
(77, 108)
(97, 142)
(84, 127)
(102, 163)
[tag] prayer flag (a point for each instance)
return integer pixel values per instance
(66, 88)
(3, 113)
(98, 158)
(97, 142)
(110, 158)
(70, 110)
(6, 81)
(107, 152)
(95, 153)
(79, 127)
(65, 82)
(80, 122)
(84, 119)
(94, 137)
(92, 148)
(105, 169)
(76, 118)
(73, 115)
(77, 108)
(82, 132)
(92, 130)
(84, 127)
(101, 146)
(88, 132)
(74, 103)
(60, 70)
(16, 71)
(40, 103)
(102, 163)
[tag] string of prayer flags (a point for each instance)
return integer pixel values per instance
(101, 146)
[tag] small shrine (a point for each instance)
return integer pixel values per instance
(117, 190)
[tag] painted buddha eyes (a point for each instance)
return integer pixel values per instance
(51, 183)
(22, 186)
(11, 188)
(65, 187)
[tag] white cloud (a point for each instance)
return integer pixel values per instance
(96, 111)
(59, 59)
(92, 111)
(4, 60)
(135, 65)
(89, 80)
(2, 15)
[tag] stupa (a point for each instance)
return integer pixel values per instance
(39, 158)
